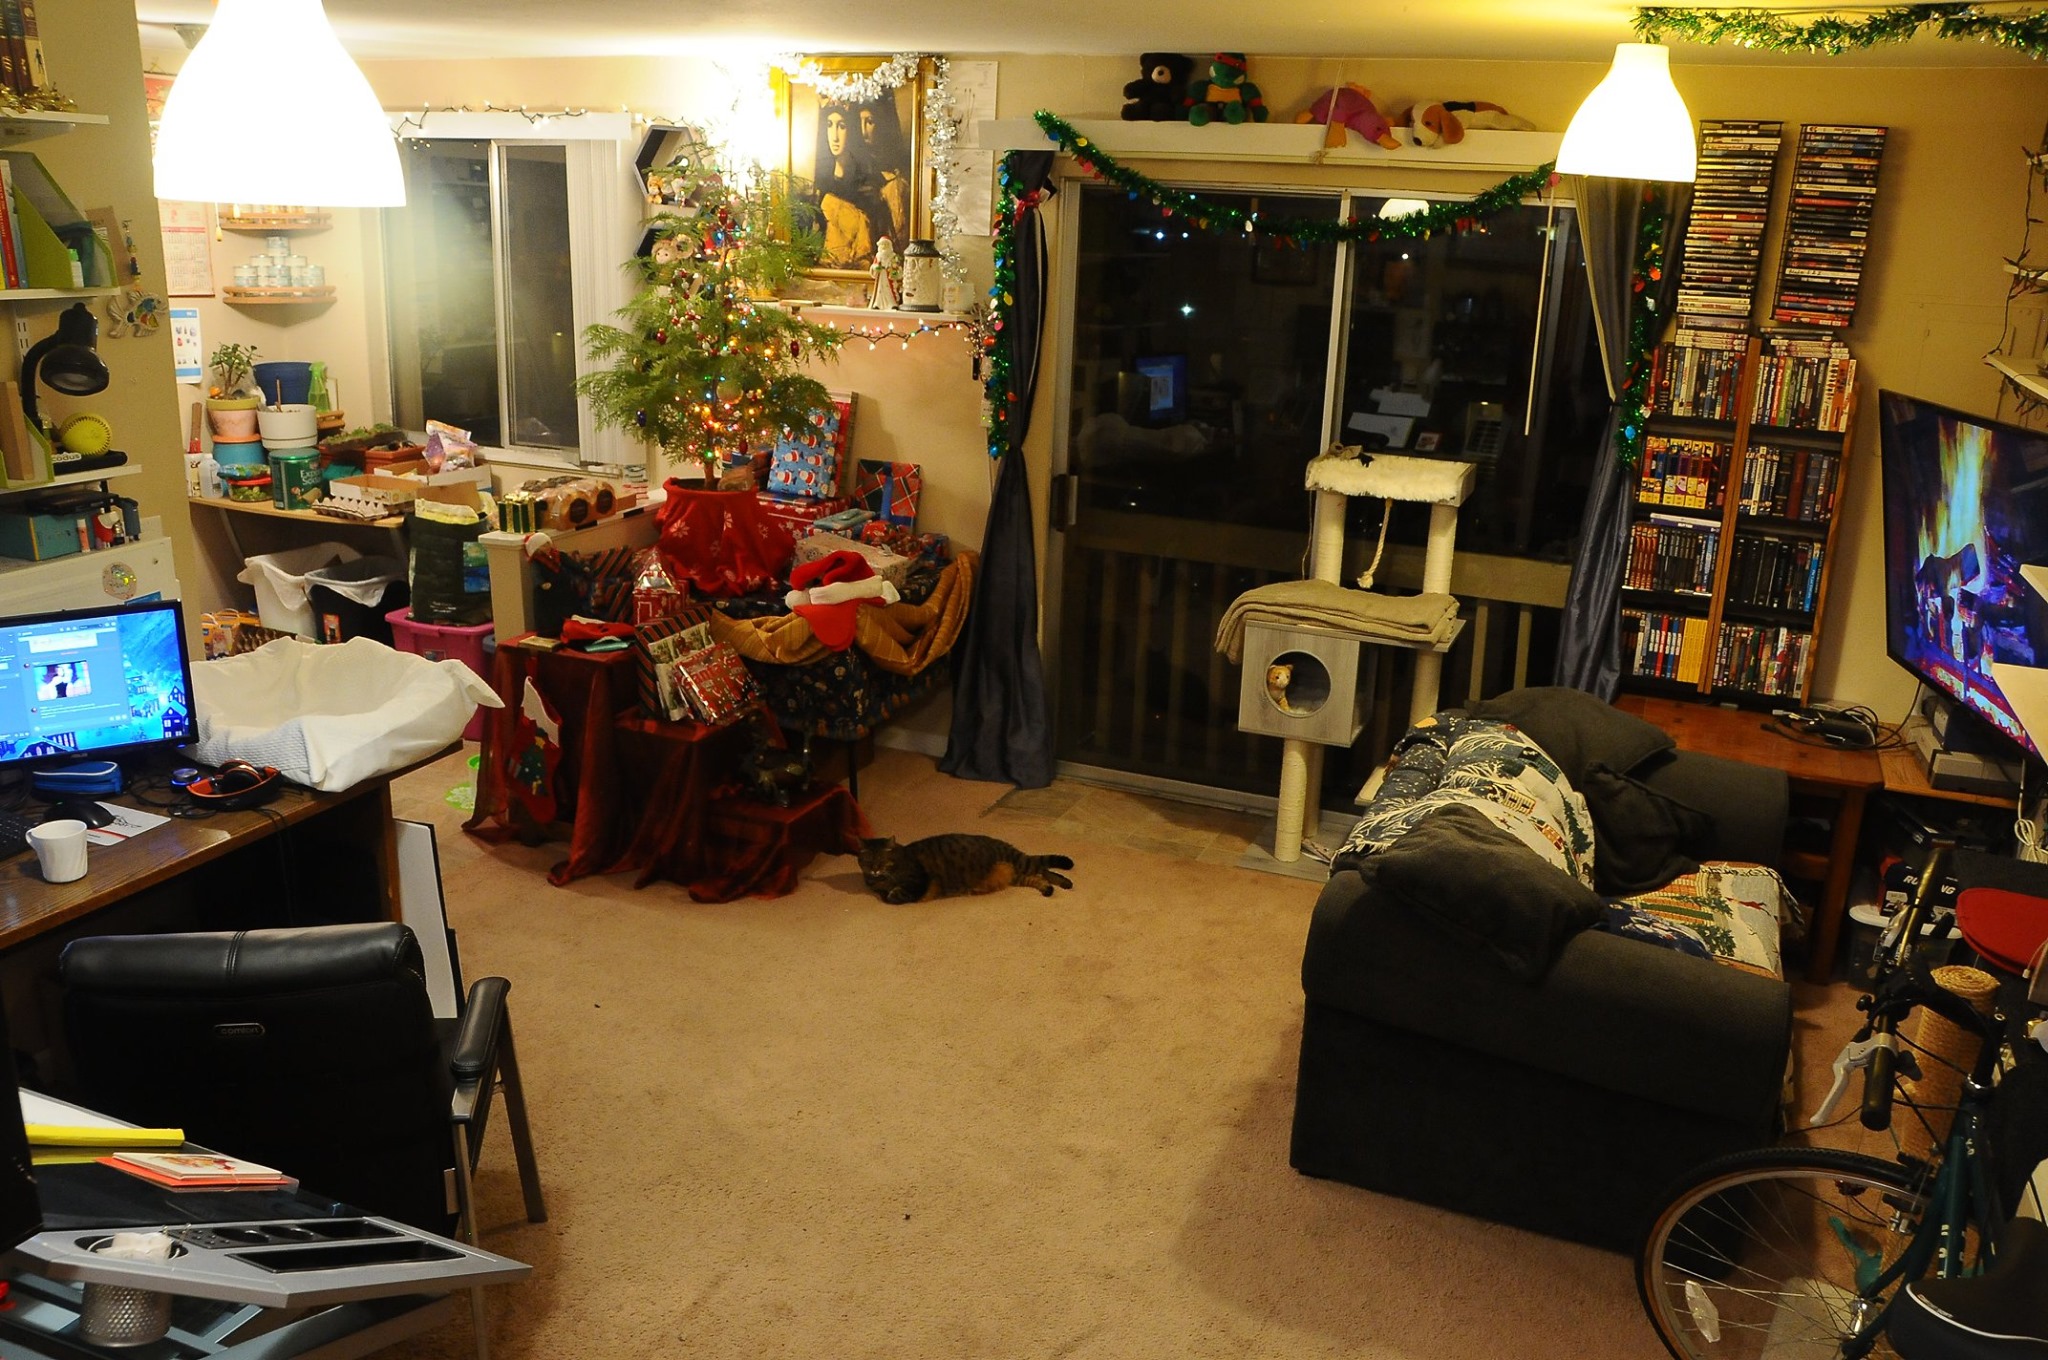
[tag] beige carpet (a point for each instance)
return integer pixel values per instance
(1006, 1126)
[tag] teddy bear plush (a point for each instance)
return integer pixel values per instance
(1350, 106)
(1159, 93)
(1225, 93)
(1442, 122)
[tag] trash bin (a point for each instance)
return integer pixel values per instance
(280, 581)
(351, 599)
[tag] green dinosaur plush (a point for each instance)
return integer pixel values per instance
(1225, 93)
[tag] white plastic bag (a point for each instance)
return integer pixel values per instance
(330, 717)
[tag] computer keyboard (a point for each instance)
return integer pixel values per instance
(13, 833)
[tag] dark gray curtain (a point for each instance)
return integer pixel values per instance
(1001, 730)
(1610, 220)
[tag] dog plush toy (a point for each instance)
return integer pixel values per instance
(1443, 122)
(1158, 94)
(1225, 93)
(1350, 106)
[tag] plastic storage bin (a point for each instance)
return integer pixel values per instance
(441, 642)
(355, 599)
(280, 580)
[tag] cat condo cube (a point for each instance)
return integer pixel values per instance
(1301, 679)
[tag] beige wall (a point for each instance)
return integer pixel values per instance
(96, 59)
(1952, 206)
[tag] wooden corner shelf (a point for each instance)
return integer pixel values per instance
(249, 297)
(2034, 383)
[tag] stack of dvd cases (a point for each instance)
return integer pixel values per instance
(1827, 224)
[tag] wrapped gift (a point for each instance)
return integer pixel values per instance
(846, 522)
(657, 645)
(807, 462)
(891, 567)
(716, 683)
(888, 489)
(798, 513)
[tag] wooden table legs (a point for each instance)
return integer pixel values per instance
(1834, 893)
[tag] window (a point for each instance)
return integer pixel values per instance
(506, 249)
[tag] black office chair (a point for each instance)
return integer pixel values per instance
(312, 1050)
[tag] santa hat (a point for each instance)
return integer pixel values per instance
(828, 591)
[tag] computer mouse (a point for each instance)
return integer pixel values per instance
(78, 810)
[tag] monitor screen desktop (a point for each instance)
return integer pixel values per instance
(1166, 387)
(1965, 507)
(94, 683)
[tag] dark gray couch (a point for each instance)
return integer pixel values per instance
(1564, 1105)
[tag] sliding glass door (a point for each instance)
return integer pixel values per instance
(1203, 372)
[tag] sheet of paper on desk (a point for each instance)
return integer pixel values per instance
(127, 824)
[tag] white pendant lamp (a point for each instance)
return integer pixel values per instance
(268, 108)
(1633, 125)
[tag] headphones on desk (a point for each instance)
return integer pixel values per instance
(236, 785)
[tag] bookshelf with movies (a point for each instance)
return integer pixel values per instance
(1732, 542)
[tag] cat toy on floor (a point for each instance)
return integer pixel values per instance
(955, 865)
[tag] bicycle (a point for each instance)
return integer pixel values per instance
(1789, 1251)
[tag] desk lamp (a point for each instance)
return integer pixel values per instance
(68, 360)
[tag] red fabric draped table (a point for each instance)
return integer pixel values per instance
(644, 796)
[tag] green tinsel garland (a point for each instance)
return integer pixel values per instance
(1831, 36)
(1000, 405)
(1220, 218)
(1644, 325)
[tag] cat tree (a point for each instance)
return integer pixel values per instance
(1331, 658)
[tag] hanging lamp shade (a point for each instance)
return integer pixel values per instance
(1633, 125)
(268, 108)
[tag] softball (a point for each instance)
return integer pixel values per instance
(85, 433)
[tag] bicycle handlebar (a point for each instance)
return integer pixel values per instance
(1877, 1085)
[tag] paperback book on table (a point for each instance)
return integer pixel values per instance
(199, 1171)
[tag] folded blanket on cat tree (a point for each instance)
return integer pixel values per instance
(1325, 604)
(901, 638)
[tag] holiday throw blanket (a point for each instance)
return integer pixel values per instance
(902, 638)
(1325, 604)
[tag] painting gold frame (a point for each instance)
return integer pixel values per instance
(879, 184)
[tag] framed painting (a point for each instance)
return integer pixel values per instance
(861, 162)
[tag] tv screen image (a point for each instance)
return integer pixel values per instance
(1965, 507)
(93, 683)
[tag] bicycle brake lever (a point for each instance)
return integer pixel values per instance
(1855, 1056)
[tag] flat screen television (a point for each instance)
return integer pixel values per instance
(95, 683)
(1965, 507)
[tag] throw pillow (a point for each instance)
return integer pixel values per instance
(1577, 729)
(1481, 886)
(1646, 838)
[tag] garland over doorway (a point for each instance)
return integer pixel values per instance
(1831, 35)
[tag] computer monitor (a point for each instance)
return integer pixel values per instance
(1965, 507)
(94, 683)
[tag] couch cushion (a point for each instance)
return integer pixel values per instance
(1736, 910)
(1646, 837)
(1617, 1013)
(1578, 729)
(1484, 888)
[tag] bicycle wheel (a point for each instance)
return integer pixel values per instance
(1775, 1253)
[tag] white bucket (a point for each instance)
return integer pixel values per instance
(282, 424)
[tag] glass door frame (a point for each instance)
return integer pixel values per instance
(1530, 583)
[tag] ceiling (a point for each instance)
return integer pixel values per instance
(1559, 30)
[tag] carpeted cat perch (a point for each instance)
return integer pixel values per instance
(1300, 640)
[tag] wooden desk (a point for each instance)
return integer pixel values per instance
(359, 818)
(1846, 778)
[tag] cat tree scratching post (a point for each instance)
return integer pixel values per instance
(1443, 486)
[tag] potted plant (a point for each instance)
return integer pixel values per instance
(232, 399)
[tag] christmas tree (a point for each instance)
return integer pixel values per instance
(701, 366)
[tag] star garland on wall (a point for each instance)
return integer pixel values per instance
(1832, 36)
(999, 405)
(1645, 323)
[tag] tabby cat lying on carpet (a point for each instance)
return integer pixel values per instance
(947, 866)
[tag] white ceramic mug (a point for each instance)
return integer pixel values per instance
(60, 850)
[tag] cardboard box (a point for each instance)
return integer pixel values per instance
(38, 538)
(889, 566)
(371, 486)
